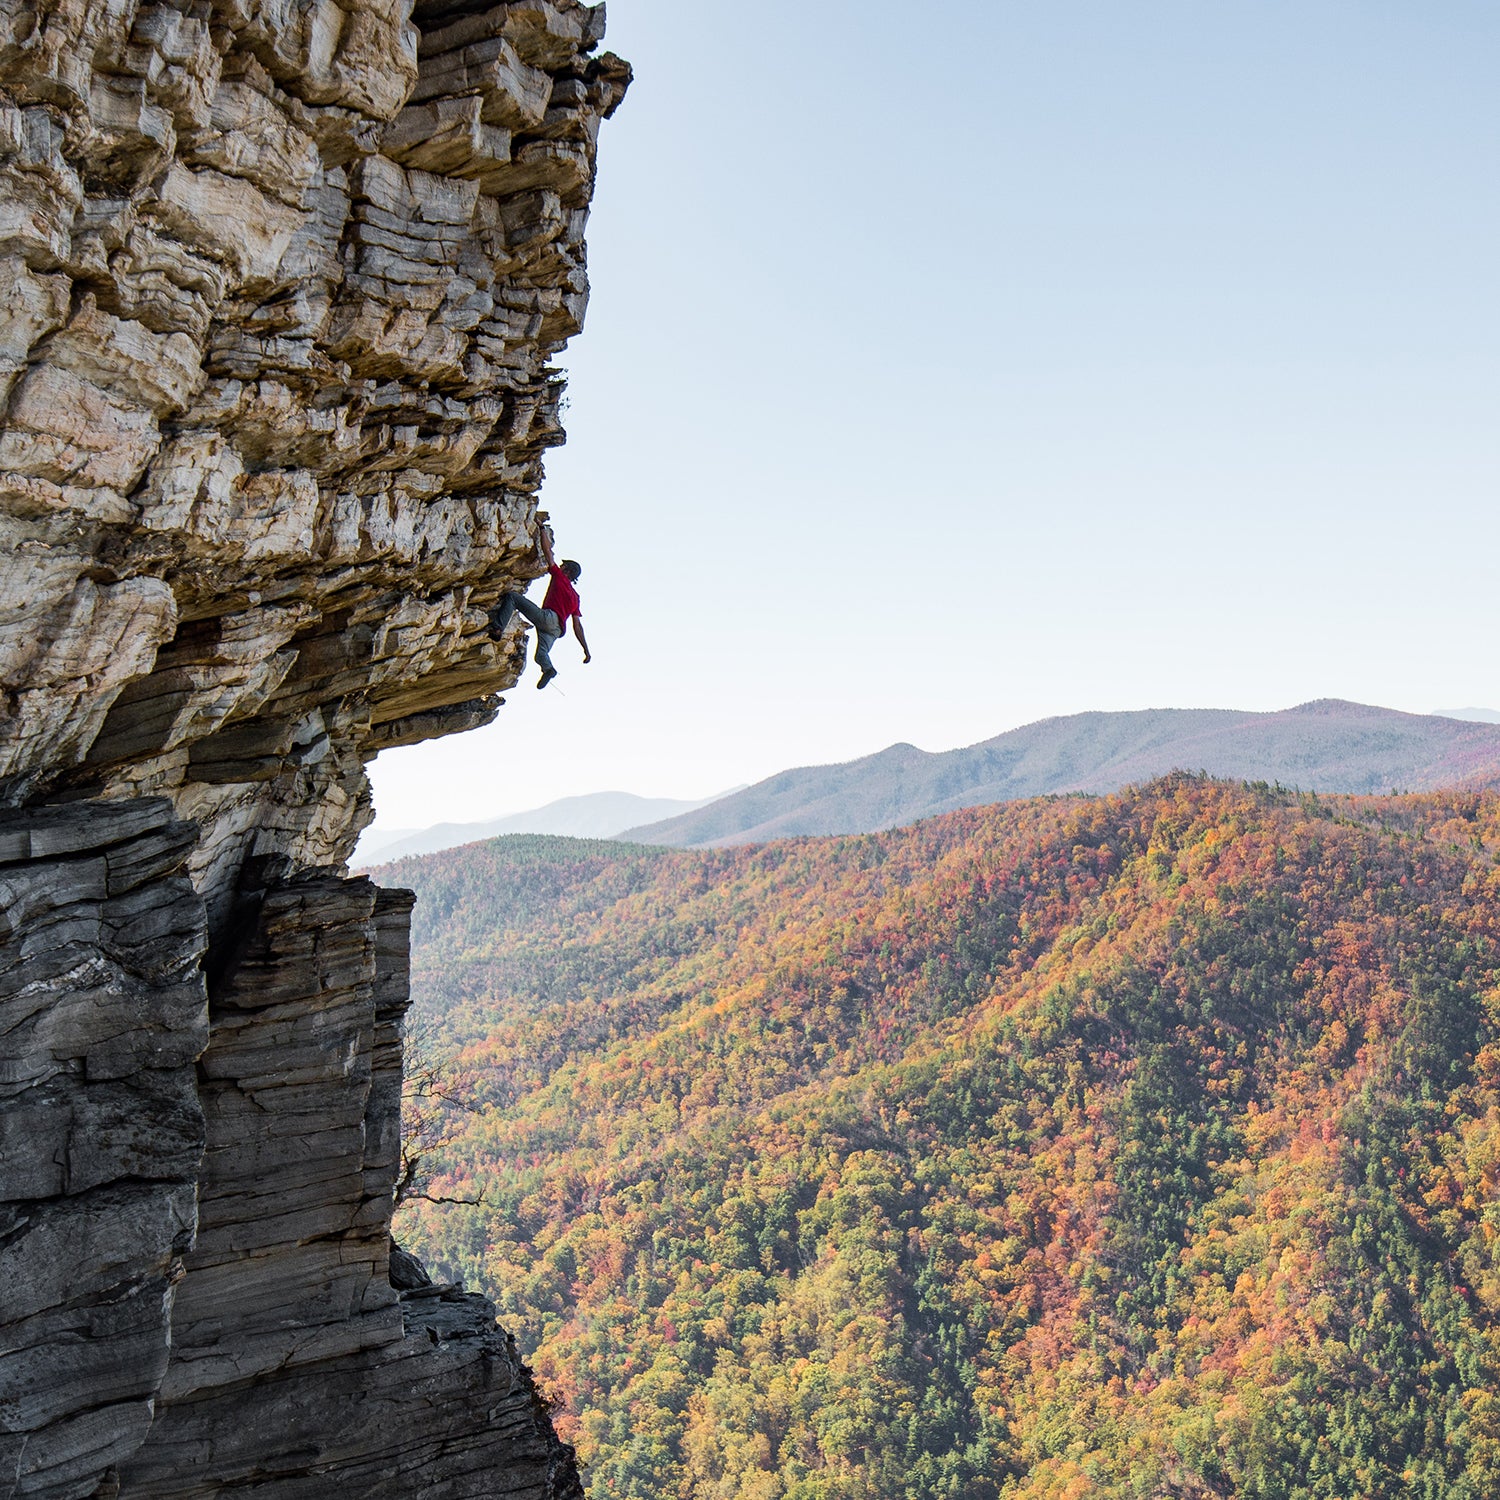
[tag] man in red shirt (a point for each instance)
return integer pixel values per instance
(558, 607)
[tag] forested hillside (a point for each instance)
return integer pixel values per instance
(1137, 1146)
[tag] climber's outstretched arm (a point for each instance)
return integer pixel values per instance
(582, 640)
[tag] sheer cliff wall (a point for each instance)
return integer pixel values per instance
(284, 279)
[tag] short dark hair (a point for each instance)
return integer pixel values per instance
(571, 568)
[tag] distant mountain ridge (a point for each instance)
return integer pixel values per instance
(597, 815)
(1325, 746)
(1483, 715)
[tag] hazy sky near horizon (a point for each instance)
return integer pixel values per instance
(951, 368)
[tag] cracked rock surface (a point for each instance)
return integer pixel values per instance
(284, 281)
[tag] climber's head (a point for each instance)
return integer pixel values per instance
(571, 568)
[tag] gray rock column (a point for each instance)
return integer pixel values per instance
(296, 1368)
(102, 1013)
(195, 1197)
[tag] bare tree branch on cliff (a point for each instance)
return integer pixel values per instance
(436, 1094)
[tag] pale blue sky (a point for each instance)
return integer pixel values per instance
(953, 366)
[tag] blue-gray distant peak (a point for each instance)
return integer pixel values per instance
(1328, 745)
(1478, 715)
(597, 815)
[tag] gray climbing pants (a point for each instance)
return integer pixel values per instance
(548, 628)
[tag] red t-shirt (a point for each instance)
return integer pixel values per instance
(562, 598)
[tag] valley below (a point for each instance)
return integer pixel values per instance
(1137, 1145)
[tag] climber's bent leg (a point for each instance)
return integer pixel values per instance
(512, 604)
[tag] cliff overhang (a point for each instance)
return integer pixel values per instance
(286, 282)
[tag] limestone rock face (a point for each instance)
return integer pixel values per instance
(283, 281)
(283, 284)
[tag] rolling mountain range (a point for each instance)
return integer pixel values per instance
(1325, 746)
(1143, 1145)
(597, 815)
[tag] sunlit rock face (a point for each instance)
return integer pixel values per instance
(283, 282)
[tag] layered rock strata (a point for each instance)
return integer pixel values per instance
(284, 280)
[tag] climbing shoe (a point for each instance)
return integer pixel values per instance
(545, 678)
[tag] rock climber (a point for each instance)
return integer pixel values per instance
(558, 607)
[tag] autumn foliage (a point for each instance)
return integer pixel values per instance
(1137, 1146)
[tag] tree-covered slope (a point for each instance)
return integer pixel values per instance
(1146, 1145)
